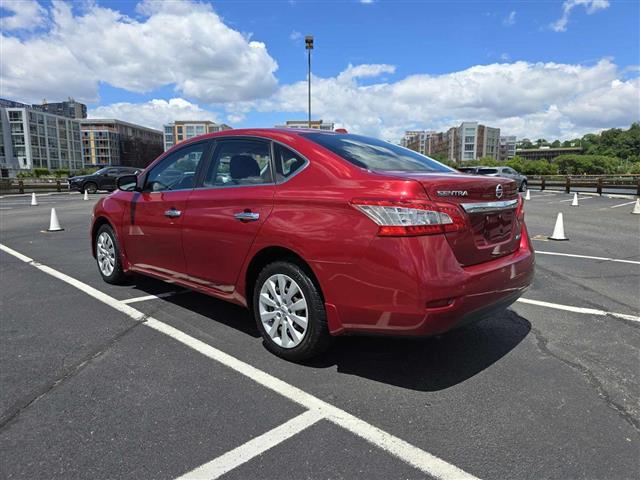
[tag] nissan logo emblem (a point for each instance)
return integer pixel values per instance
(499, 191)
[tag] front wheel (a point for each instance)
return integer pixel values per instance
(290, 312)
(108, 256)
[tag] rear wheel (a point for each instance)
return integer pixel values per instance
(290, 312)
(108, 256)
(90, 187)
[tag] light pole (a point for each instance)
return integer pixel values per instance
(308, 42)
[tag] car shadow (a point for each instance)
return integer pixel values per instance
(422, 364)
(427, 364)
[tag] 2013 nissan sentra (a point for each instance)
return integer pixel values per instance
(320, 234)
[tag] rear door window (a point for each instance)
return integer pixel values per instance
(488, 171)
(239, 163)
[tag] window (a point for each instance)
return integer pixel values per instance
(287, 162)
(374, 154)
(240, 162)
(177, 171)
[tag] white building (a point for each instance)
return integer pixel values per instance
(32, 139)
(476, 141)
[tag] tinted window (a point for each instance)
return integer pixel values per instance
(177, 171)
(112, 171)
(487, 171)
(374, 154)
(240, 162)
(287, 162)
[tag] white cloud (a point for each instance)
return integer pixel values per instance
(510, 19)
(153, 113)
(366, 2)
(27, 15)
(185, 44)
(524, 99)
(295, 36)
(591, 6)
(505, 57)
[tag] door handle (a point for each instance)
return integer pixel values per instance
(172, 213)
(247, 216)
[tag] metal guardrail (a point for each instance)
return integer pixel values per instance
(576, 183)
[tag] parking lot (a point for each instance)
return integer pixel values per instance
(150, 381)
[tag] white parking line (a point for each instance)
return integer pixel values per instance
(418, 458)
(150, 297)
(544, 195)
(254, 447)
(623, 204)
(579, 198)
(588, 311)
(604, 259)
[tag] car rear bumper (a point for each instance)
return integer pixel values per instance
(431, 297)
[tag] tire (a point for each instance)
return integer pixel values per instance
(523, 186)
(298, 343)
(90, 187)
(108, 256)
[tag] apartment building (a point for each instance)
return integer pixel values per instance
(34, 139)
(115, 142)
(69, 108)
(478, 141)
(315, 124)
(421, 141)
(181, 130)
(507, 148)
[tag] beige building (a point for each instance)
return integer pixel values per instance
(469, 141)
(115, 142)
(315, 124)
(181, 130)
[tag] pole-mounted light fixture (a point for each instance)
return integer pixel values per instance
(308, 45)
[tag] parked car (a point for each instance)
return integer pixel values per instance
(103, 179)
(320, 234)
(468, 169)
(505, 172)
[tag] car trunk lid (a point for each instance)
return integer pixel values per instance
(489, 206)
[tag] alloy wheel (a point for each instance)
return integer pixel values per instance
(283, 310)
(106, 253)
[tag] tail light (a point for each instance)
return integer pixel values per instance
(411, 217)
(520, 210)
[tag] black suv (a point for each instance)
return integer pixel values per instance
(103, 179)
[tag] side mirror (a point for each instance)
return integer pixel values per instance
(128, 183)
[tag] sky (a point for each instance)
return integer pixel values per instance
(536, 69)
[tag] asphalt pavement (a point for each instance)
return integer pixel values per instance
(89, 389)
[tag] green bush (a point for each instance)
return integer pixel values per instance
(41, 172)
(61, 172)
(532, 167)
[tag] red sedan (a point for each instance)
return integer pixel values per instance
(320, 234)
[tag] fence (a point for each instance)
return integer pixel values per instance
(629, 184)
(28, 186)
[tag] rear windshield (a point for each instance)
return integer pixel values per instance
(374, 154)
(487, 171)
(468, 169)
